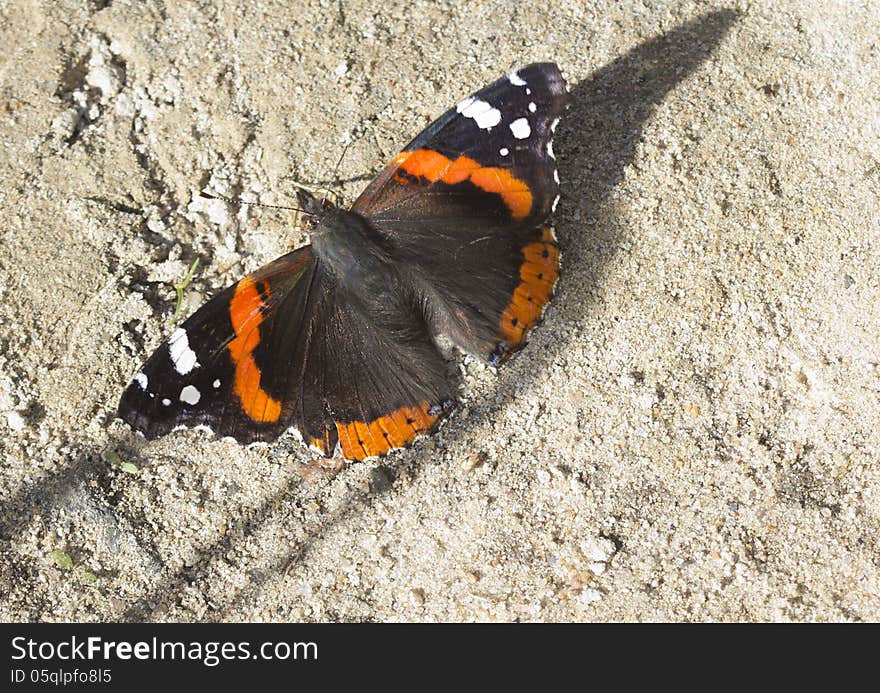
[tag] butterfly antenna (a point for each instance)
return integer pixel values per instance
(234, 201)
(335, 171)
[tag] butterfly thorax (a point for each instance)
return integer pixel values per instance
(358, 259)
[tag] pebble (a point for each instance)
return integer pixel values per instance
(589, 596)
(597, 550)
(15, 421)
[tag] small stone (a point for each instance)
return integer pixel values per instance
(15, 421)
(597, 550)
(598, 568)
(381, 480)
(589, 596)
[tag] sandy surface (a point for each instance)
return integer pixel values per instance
(691, 434)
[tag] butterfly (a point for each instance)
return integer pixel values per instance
(337, 341)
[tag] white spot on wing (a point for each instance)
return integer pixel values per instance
(482, 112)
(556, 175)
(555, 202)
(554, 124)
(183, 358)
(141, 379)
(550, 149)
(520, 128)
(190, 395)
(516, 80)
(504, 151)
(532, 107)
(166, 402)
(216, 384)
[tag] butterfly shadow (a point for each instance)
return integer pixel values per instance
(596, 141)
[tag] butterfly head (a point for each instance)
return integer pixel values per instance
(310, 204)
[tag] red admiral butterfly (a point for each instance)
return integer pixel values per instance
(336, 340)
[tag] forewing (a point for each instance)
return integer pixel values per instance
(210, 372)
(285, 349)
(464, 207)
(490, 158)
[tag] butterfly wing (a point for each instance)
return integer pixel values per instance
(486, 288)
(370, 389)
(284, 349)
(209, 372)
(463, 208)
(488, 158)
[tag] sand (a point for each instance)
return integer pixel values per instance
(690, 434)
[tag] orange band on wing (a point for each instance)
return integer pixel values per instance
(360, 440)
(538, 275)
(246, 315)
(434, 166)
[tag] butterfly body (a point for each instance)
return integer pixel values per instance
(338, 341)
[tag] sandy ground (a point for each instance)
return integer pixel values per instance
(690, 435)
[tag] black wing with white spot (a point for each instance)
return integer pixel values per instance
(489, 158)
(209, 372)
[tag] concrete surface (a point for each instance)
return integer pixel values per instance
(691, 434)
